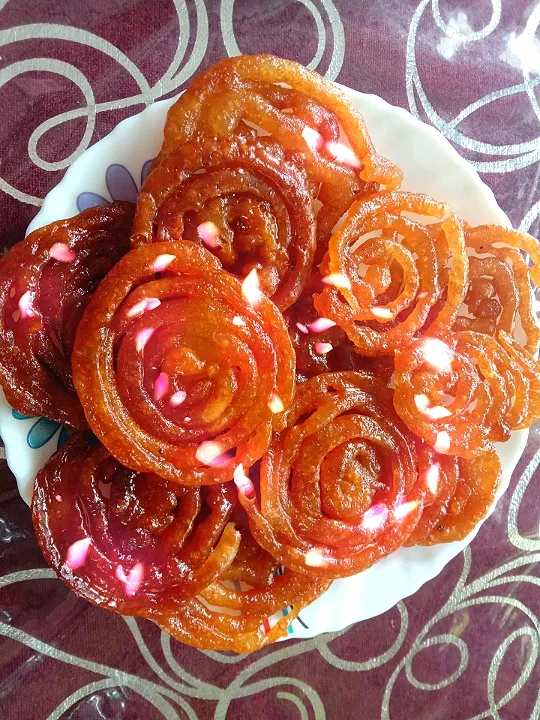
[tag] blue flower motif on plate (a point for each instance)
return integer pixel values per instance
(42, 431)
(120, 186)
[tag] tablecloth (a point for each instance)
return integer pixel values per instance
(467, 644)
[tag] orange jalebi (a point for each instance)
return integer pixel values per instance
(440, 475)
(239, 620)
(381, 308)
(339, 487)
(525, 383)
(462, 392)
(179, 367)
(467, 491)
(500, 283)
(253, 209)
(46, 282)
(246, 88)
(305, 118)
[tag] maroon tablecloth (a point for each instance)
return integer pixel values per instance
(467, 644)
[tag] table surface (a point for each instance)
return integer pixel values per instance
(467, 644)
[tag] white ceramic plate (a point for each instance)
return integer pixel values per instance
(113, 168)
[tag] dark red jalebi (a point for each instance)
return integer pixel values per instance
(322, 346)
(339, 486)
(251, 207)
(180, 368)
(144, 546)
(382, 308)
(129, 541)
(46, 282)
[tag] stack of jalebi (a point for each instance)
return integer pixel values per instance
(295, 370)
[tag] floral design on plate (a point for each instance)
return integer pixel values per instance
(120, 186)
(42, 431)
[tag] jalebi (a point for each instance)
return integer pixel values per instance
(46, 282)
(145, 546)
(129, 540)
(466, 492)
(500, 283)
(251, 208)
(339, 487)
(465, 391)
(305, 117)
(382, 308)
(180, 368)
